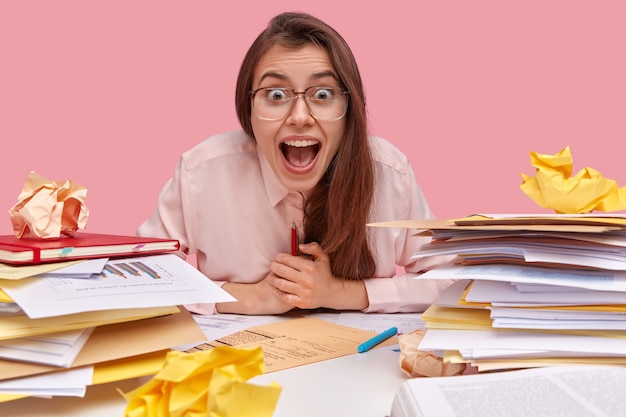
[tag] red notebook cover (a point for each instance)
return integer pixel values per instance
(82, 246)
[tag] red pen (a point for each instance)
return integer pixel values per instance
(294, 240)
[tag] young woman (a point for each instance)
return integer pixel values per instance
(303, 159)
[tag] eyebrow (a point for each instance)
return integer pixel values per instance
(283, 77)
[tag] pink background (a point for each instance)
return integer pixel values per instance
(110, 93)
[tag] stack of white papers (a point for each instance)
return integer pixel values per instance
(72, 383)
(533, 291)
(9, 309)
(150, 281)
(59, 349)
(55, 313)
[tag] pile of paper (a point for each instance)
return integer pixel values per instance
(66, 326)
(533, 290)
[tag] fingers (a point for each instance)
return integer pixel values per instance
(297, 279)
(281, 291)
(291, 290)
(290, 296)
(313, 249)
(288, 285)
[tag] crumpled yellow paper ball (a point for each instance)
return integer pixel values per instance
(419, 363)
(208, 383)
(554, 188)
(47, 209)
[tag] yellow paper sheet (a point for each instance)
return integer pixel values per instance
(486, 365)
(582, 225)
(521, 221)
(472, 317)
(614, 308)
(121, 340)
(19, 272)
(297, 342)
(10, 397)
(22, 326)
(129, 367)
(4, 297)
(468, 319)
(117, 370)
(504, 365)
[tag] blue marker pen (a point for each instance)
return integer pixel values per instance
(367, 345)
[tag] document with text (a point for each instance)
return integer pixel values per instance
(148, 281)
(573, 391)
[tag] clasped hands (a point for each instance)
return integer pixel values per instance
(304, 282)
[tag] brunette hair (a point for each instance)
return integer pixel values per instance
(337, 211)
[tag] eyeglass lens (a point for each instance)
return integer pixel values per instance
(324, 103)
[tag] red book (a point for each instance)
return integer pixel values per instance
(82, 246)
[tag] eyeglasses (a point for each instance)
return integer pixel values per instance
(275, 103)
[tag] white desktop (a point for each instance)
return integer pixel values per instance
(360, 385)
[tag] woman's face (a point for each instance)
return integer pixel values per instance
(298, 147)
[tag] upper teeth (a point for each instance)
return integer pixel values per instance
(300, 143)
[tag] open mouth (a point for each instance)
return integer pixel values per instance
(300, 154)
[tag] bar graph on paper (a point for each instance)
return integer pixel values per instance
(163, 280)
(129, 270)
(132, 275)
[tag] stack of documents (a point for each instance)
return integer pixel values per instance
(533, 290)
(68, 325)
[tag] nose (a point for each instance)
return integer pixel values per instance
(300, 114)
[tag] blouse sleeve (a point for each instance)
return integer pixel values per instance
(397, 286)
(169, 219)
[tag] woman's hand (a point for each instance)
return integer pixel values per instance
(307, 282)
(256, 298)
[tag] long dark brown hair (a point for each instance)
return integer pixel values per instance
(338, 208)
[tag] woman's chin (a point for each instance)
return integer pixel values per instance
(300, 182)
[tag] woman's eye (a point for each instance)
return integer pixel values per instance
(323, 94)
(276, 94)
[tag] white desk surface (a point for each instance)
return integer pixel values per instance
(360, 385)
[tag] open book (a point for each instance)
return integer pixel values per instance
(550, 391)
